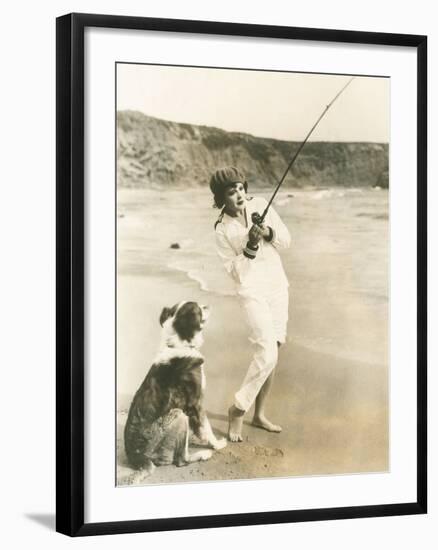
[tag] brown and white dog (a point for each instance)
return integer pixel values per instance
(167, 407)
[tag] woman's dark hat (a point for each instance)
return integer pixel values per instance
(224, 177)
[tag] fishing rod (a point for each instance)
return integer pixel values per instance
(256, 218)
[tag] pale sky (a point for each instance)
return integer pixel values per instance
(267, 104)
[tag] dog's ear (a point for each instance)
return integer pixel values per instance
(165, 314)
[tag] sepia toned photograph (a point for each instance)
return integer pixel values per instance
(252, 281)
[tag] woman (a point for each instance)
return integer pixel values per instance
(250, 255)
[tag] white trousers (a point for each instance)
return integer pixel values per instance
(267, 315)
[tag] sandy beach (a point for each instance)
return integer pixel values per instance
(330, 392)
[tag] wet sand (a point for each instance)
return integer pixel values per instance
(333, 410)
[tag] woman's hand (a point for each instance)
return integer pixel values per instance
(255, 234)
(266, 232)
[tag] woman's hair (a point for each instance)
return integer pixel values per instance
(223, 178)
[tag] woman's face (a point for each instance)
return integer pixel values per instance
(234, 199)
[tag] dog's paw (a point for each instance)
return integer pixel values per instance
(205, 455)
(219, 444)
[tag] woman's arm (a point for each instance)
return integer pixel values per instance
(280, 233)
(237, 265)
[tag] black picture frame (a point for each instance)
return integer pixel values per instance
(70, 272)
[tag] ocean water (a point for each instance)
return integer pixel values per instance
(337, 266)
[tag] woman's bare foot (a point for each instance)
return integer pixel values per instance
(235, 421)
(265, 424)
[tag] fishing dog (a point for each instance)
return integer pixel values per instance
(167, 408)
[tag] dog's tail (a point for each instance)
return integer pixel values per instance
(135, 453)
(141, 462)
(139, 475)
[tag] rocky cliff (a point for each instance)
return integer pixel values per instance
(155, 153)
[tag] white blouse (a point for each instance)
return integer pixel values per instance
(265, 270)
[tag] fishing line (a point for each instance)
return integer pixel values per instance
(256, 218)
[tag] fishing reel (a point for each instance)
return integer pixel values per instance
(256, 218)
